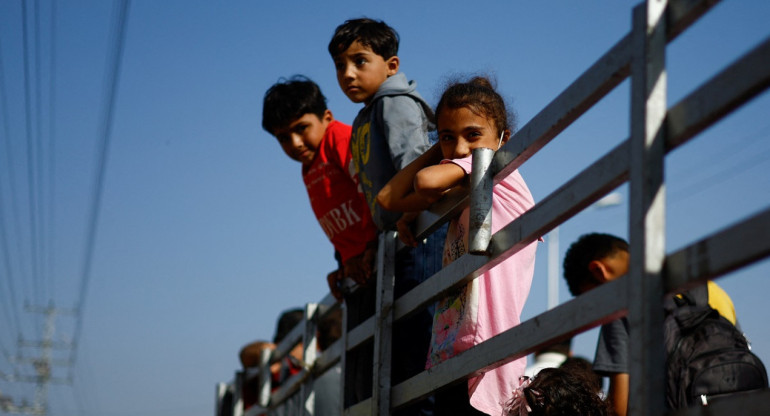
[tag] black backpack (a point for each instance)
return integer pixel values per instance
(707, 356)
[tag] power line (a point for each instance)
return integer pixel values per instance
(737, 165)
(30, 152)
(14, 199)
(39, 166)
(16, 323)
(52, 152)
(111, 83)
(9, 274)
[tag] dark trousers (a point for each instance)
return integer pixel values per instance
(411, 337)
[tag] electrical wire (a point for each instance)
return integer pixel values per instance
(9, 276)
(734, 162)
(30, 156)
(14, 199)
(111, 87)
(39, 166)
(11, 293)
(52, 154)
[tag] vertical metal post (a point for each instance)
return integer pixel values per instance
(265, 379)
(344, 356)
(383, 330)
(553, 268)
(238, 393)
(480, 218)
(647, 210)
(221, 388)
(309, 354)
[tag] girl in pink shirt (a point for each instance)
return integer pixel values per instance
(469, 115)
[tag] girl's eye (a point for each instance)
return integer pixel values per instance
(446, 138)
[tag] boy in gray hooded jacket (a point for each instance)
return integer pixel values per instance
(389, 133)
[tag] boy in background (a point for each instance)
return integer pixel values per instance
(595, 259)
(295, 112)
(388, 133)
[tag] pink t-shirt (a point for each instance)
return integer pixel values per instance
(492, 303)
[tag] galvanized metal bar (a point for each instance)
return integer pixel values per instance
(288, 389)
(255, 410)
(238, 394)
(750, 75)
(680, 14)
(448, 207)
(583, 190)
(293, 338)
(360, 334)
(309, 354)
(265, 379)
(343, 342)
(719, 253)
(647, 211)
(480, 216)
(603, 304)
(590, 87)
(383, 333)
(741, 81)
(329, 357)
(362, 408)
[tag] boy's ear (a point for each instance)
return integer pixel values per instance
(393, 62)
(328, 116)
(598, 270)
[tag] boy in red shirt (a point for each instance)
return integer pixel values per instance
(295, 112)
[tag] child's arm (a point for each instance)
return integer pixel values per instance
(398, 194)
(432, 182)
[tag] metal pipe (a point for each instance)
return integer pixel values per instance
(480, 218)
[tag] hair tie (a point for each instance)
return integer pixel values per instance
(518, 405)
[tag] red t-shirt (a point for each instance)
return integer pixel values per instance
(335, 195)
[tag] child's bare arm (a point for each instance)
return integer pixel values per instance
(399, 195)
(434, 181)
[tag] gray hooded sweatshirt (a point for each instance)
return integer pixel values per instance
(388, 134)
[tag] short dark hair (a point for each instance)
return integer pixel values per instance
(290, 99)
(286, 322)
(374, 34)
(587, 248)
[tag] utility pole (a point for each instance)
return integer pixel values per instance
(42, 365)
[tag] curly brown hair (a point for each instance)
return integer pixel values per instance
(559, 392)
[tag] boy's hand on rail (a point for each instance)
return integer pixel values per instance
(404, 227)
(335, 279)
(360, 267)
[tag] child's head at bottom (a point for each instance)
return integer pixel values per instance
(557, 392)
(472, 114)
(295, 112)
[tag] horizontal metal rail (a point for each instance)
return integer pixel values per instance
(708, 258)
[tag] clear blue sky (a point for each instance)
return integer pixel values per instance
(205, 234)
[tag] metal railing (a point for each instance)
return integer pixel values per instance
(638, 160)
